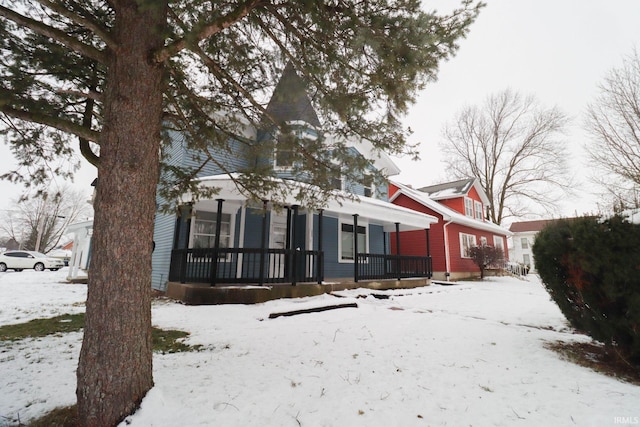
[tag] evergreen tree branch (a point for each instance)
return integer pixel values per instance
(207, 30)
(92, 25)
(54, 33)
(56, 123)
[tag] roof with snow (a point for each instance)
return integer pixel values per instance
(375, 211)
(447, 213)
(454, 189)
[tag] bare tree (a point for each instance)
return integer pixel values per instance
(613, 120)
(511, 144)
(40, 223)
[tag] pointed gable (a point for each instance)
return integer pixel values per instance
(456, 189)
(448, 190)
(290, 102)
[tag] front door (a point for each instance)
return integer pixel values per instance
(277, 240)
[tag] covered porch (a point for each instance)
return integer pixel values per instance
(297, 252)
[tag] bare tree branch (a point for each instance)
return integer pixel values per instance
(510, 145)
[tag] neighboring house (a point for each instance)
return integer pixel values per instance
(230, 240)
(81, 250)
(459, 207)
(524, 236)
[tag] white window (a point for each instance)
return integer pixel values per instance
(498, 243)
(285, 154)
(524, 242)
(347, 248)
(336, 183)
(468, 207)
(204, 230)
(368, 186)
(467, 241)
(478, 209)
(526, 260)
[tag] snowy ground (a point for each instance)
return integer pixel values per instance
(470, 354)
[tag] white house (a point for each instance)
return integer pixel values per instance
(522, 240)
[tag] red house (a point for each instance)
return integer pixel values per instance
(459, 207)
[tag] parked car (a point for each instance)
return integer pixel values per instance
(19, 260)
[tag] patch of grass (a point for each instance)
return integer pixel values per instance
(37, 328)
(599, 358)
(164, 340)
(168, 341)
(66, 416)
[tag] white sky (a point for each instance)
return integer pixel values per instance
(557, 50)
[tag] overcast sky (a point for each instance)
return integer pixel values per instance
(557, 50)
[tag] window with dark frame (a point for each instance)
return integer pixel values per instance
(348, 247)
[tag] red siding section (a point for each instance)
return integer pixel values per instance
(415, 242)
(455, 204)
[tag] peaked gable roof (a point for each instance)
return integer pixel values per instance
(290, 102)
(447, 213)
(455, 189)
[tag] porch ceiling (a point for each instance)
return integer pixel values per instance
(374, 211)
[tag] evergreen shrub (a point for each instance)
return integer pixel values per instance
(591, 269)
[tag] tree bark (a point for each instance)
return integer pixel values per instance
(115, 368)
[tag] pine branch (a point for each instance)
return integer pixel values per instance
(207, 30)
(97, 29)
(56, 123)
(55, 34)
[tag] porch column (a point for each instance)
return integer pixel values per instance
(183, 221)
(398, 269)
(355, 247)
(294, 252)
(263, 241)
(216, 244)
(429, 264)
(320, 258)
(287, 247)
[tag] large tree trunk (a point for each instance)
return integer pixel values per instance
(115, 368)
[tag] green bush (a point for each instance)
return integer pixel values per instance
(591, 269)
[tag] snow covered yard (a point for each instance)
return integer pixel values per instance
(470, 354)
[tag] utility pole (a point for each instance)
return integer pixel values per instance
(40, 223)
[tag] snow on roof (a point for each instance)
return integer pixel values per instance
(447, 213)
(375, 211)
(453, 189)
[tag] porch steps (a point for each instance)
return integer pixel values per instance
(200, 294)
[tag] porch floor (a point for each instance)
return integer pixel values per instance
(202, 294)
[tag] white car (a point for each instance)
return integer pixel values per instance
(19, 260)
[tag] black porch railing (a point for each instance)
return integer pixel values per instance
(253, 265)
(245, 265)
(374, 267)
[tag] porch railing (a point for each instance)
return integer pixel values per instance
(375, 266)
(245, 265)
(249, 265)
